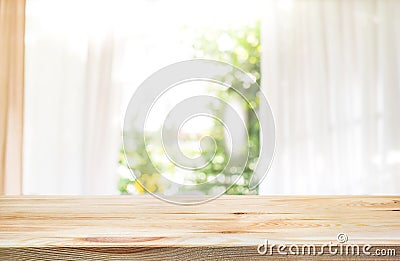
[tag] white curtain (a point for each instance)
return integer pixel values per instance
(331, 70)
(72, 112)
(101, 131)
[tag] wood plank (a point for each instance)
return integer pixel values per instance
(231, 227)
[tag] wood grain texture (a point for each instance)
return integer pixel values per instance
(231, 227)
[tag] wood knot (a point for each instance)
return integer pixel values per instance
(239, 213)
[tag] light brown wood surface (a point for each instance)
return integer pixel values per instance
(12, 31)
(231, 227)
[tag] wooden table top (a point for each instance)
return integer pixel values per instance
(113, 223)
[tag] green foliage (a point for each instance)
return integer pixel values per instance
(241, 48)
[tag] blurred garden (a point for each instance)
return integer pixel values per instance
(239, 46)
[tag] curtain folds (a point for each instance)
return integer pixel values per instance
(332, 73)
(72, 132)
(12, 27)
